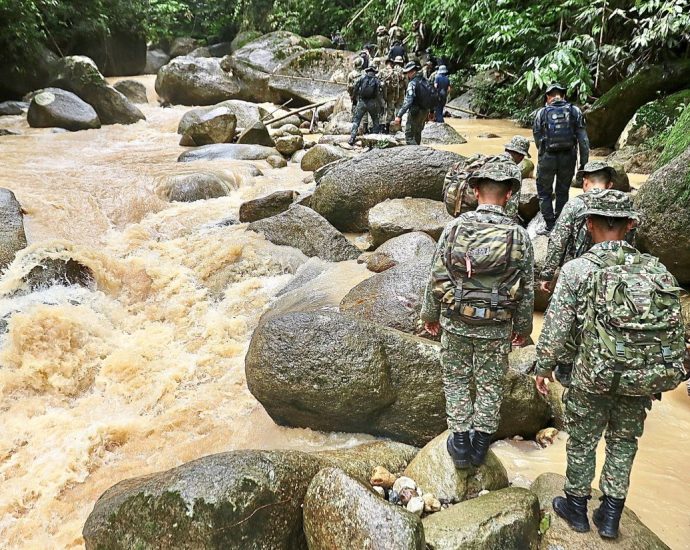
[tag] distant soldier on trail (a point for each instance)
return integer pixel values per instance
(421, 38)
(559, 130)
(397, 50)
(352, 79)
(625, 309)
(396, 33)
(383, 42)
(442, 84)
(481, 290)
(338, 41)
(368, 95)
(416, 104)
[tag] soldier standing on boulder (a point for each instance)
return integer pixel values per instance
(559, 128)
(352, 79)
(412, 105)
(481, 290)
(383, 42)
(625, 308)
(368, 94)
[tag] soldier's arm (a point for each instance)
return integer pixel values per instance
(522, 322)
(560, 238)
(582, 137)
(537, 129)
(409, 99)
(513, 205)
(431, 307)
(558, 322)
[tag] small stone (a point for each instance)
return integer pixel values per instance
(518, 438)
(380, 490)
(416, 505)
(393, 497)
(431, 503)
(289, 144)
(407, 494)
(546, 436)
(404, 483)
(382, 478)
(276, 161)
(488, 135)
(287, 130)
(483, 492)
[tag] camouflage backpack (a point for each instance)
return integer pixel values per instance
(457, 195)
(632, 337)
(485, 283)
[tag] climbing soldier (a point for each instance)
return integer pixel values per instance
(625, 308)
(416, 104)
(421, 39)
(559, 129)
(368, 94)
(481, 291)
(383, 42)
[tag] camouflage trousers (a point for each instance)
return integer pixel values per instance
(416, 119)
(479, 363)
(587, 416)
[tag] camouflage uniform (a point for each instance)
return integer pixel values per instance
(416, 116)
(472, 353)
(383, 43)
(589, 414)
(352, 79)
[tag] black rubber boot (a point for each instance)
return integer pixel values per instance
(459, 448)
(480, 446)
(573, 510)
(607, 517)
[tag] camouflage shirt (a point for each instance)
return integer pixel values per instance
(352, 79)
(521, 322)
(566, 311)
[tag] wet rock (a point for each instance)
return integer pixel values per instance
(132, 90)
(277, 161)
(302, 228)
(488, 135)
(340, 512)
(193, 187)
(382, 141)
(382, 478)
(321, 155)
(217, 126)
(653, 118)
(410, 247)
(155, 59)
(403, 483)
(635, 159)
(6, 132)
(57, 271)
(248, 499)
(634, 535)
(529, 200)
(220, 49)
(201, 51)
(13, 107)
(12, 236)
(257, 134)
(546, 436)
(392, 298)
(53, 107)
(507, 519)
(265, 207)
(664, 204)
(227, 151)
(247, 114)
(80, 76)
(242, 38)
(333, 372)
(347, 191)
(540, 245)
(416, 506)
(360, 460)
(195, 81)
(440, 133)
(183, 45)
(287, 145)
(431, 503)
(434, 472)
(395, 217)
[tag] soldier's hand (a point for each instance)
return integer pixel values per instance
(545, 286)
(432, 328)
(543, 383)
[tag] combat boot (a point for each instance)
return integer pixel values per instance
(459, 448)
(608, 516)
(480, 446)
(573, 510)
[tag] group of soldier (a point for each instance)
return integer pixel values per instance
(385, 85)
(613, 333)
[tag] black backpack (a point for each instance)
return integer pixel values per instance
(559, 127)
(426, 96)
(369, 87)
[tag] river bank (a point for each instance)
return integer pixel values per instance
(148, 372)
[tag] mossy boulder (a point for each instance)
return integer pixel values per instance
(360, 461)
(319, 41)
(243, 38)
(678, 139)
(507, 519)
(133, 90)
(320, 155)
(195, 81)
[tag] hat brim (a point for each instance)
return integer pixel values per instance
(508, 147)
(612, 214)
(580, 174)
(473, 180)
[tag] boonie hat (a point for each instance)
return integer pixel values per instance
(597, 166)
(381, 29)
(399, 59)
(612, 204)
(519, 145)
(497, 169)
(411, 66)
(371, 69)
(442, 69)
(556, 86)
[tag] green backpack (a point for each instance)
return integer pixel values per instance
(457, 195)
(481, 260)
(633, 334)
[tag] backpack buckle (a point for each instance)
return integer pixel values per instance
(666, 352)
(620, 349)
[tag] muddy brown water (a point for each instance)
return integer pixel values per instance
(147, 372)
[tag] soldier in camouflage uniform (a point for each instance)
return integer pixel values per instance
(383, 42)
(416, 116)
(472, 352)
(588, 414)
(352, 79)
(518, 150)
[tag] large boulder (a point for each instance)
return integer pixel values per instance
(12, 236)
(80, 75)
(56, 108)
(633, 535)
(118, 52)
(529, 199)
(216, 126)
(242, 38)
(265, 207)
(256, 133)
(320, 155)
(183, 45)
(434, 472)
(155, 59)
(193, 187)
(289, 144)
(392, 298)
(507, 519)
(345, 193)
(241, 499)
(195, 81)
(360, 461)
(302, 228)
(410, 247)
(678, 139)
(612, 111)
(340, 512)
(395, 217)
(33, 74)
(13, 108)
(133, 90)
(246, 114)
(664, 203)
(227, 151)
(440, 133)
